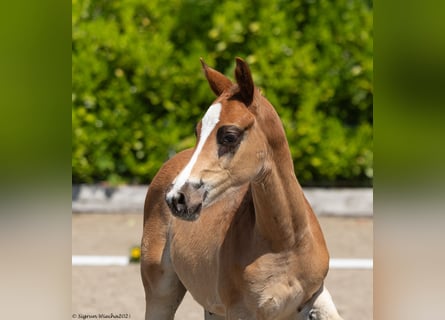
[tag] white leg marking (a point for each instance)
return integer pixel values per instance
(209, 121)
(324, 308)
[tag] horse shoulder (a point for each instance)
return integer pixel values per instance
(157, 216)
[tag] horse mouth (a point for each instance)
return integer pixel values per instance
(192, 214)
(189, 213)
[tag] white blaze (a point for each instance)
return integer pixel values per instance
(209, 121)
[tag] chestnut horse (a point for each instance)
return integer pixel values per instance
(228, 220)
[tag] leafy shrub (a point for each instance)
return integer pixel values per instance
(138, 89)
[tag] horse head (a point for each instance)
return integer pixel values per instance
(234, 139)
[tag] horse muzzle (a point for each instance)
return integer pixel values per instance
(186, 203)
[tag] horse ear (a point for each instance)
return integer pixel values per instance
(217, 81)
(244, 79)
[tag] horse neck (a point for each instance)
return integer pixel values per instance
(280, 206)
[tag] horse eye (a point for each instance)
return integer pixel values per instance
(229, 135)
(229, 138)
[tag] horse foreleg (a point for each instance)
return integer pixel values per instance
(163, 289)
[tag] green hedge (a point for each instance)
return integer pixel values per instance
(138, 88)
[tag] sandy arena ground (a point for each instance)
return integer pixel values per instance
(118, 289)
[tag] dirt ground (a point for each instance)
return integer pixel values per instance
(100, 291)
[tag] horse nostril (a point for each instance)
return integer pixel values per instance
(186, 203)
(179, 203)
(180, 199)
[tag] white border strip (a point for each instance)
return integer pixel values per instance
(351, 264)
(123, 261)
(100, 260)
